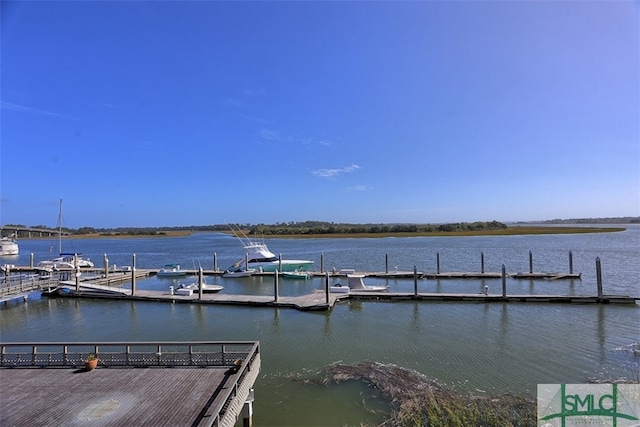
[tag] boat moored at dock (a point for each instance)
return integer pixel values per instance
(258, 257)
(171, 270)
(8, 246)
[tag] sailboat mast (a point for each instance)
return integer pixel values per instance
(60, 229)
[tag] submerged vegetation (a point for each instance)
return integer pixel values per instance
(419, 401)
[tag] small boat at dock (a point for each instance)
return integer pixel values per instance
(8, 246)
(238, 272)
(296, 275)
(206, 288)
(65, 260)
(171, 270)
(356, 284)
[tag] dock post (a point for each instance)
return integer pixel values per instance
(279, 262)
(386, 263)
(76, 271)
(482, 262)
(321, 262)
(599, 276)
(530, 262)
(200, 283)
(133, 275)
(504, 281)
(275, 285)
(570, 262)
(31, 260)
(215, 261)
(415, 280)
(247, 410)
(246, 260)
(437, 262)
(105, 263)
(326, 287)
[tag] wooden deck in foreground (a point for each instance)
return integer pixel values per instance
(198, 395)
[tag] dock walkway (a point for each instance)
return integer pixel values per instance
(321, 300)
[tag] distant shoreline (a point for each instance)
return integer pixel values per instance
(514, 230)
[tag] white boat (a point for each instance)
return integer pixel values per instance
(206, 288)
(356, 284)
(171, 270)
(259, 257)
(65, 260)
(201, 283)
(238, 272)
(8, 246)
(339, 289)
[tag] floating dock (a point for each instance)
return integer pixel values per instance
(322, 300)
(101, 286)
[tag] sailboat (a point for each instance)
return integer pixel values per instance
(65, 260)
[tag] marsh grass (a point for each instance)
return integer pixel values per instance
(510, 231)
(420, 401)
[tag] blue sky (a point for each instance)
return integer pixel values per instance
(194, 113)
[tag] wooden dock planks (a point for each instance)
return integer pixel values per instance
(106, 396)
(194, 383)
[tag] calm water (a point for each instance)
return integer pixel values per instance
(483, 348)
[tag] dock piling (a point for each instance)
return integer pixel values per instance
(275, 285)
(482, 262)
(326, 288)
(133, 275)
(599, 276)
(31, 260)
(215, 261)
(200, 283)
(247, 410)
(415, 280)
(530, 262)
(76, 271)
(386, 263)
(105, 264)
(438, 262)
(322, 262)
(570, 262)
(504, 281)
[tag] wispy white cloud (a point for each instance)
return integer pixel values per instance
(274, 135)
(270, 134)
(358, 188)
(332, 173)
(22, 108)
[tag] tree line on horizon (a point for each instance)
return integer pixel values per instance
(326, 227)
(289, 228)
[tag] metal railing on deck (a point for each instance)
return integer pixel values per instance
(139, 354)
(30, 284)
